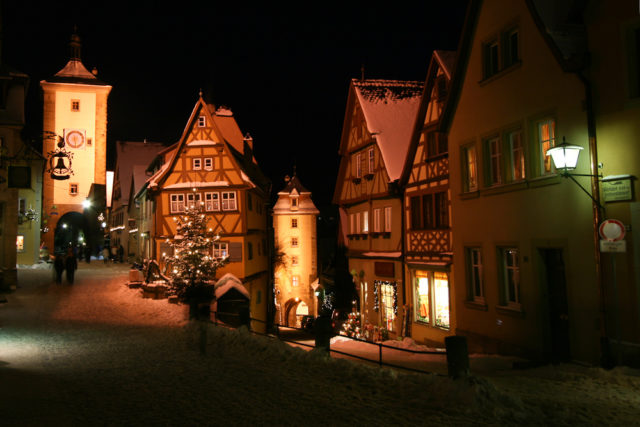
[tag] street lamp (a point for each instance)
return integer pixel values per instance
(565, 159)
(86, 203)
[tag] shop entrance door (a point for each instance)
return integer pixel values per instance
(556, 286)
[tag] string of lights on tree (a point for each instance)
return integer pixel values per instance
(192, 265)
(376, 294)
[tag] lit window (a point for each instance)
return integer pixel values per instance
(295, 281)
(470, 169)
(431, 293)
(546, 140)
(20, 243)
(202, 121)
(387, 301)
(475, 286)
(229, 201)
(365, 221)
(208, 163)
(376, 220)
(211, 202)
(75, 105)
(387, 219)
(510, 277)
(197, 164)
(193, 200)
(517, 155)
(177, 203)
(73, 189)
(220, 250)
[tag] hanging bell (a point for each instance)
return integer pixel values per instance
(60, 171)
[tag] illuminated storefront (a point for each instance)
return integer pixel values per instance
(431, 298)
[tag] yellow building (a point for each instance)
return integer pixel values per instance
(523, 244)
(75, 128)
(296, 276)
(19, 186)
(613, 35)
(379, 119)
(428, 253)
(213, 164)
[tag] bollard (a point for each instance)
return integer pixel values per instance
(457, 356)
(322, 329)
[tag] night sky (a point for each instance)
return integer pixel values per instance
(283, 71)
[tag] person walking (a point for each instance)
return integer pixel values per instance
(71, 264)
(58, 265)
(105, 254)
(121, 254)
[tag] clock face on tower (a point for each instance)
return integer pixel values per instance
(74, 138)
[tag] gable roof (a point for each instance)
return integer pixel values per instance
(440, 59)
(225, 131)
(389, 108)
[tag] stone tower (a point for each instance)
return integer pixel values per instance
(75, 146)
(296, 276)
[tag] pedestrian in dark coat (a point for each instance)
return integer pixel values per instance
(71, 264)
(121, 254)
(58, 264)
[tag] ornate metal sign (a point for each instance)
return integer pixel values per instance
(60, 162)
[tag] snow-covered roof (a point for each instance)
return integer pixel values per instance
(228, 282)
(390, 108)
(201, 143)
(197, 184)
(382, 254)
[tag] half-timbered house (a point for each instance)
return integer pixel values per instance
(379, 119)
(427, 227)
(212, 165)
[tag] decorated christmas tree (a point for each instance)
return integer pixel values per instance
(351, 327)
(192, 266)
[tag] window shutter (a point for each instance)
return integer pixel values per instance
(235, 252)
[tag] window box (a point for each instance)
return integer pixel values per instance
(368, 176)
(356, 180)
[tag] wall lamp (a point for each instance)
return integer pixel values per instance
(565, 159)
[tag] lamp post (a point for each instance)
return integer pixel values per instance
(565, 159)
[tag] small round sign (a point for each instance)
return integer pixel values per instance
(612, 230)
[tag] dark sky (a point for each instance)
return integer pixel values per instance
(284, 71)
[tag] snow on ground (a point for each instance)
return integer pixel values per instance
(97, 353)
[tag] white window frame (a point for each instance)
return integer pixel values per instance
(358, 165)
(387, 219)
(197, 164)
(516, 150)
(208, 163)
(202, 121)
(494, 161)
(357, 223)
(475, 271)
(229, 201)
(546, 166)
(295, 281)
(220, 250)
(74, 188)
(470, 158)
(372, 157)
(193, 200)
(376, 220)
(510, 271)
(176, 203)
(211, 201)
(434, 298)
(365, 222)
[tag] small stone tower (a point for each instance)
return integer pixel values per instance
(296, 275)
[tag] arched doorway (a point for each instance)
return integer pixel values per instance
(71, 230)
(294, 309)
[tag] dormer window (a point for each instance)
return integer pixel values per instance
(294, 203)
(202, 121)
